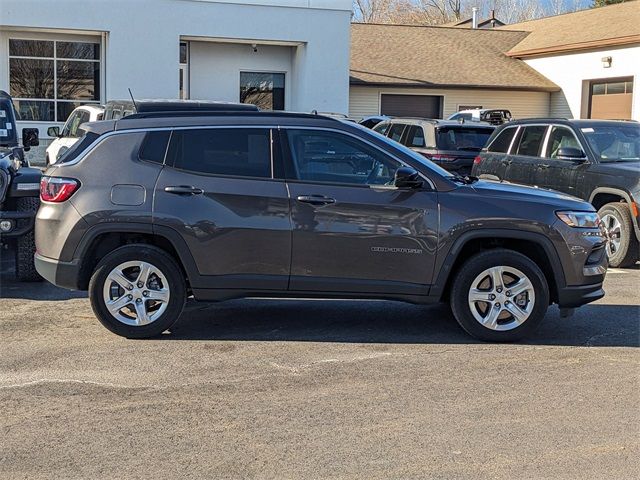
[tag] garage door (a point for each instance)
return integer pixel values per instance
(425, 106)
(611, 99)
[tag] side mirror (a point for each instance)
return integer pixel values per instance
(570, 153)
(407, 177)
(53, 131)
(30, 138)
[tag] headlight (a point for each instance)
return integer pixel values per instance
(580, 219)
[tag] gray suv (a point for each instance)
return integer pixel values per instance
(154, 208)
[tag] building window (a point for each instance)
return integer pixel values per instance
(48, 78)
(265, 90)
(184, 70)
(612, 87)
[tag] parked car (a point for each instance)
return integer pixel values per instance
(596, 160)
(19, 190)
(374, 120)
(494, 116)
(451, 145)
(70, 133)
(152, 208)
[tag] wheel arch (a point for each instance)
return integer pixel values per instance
(603, 195)
(533, 245)
(103, 238)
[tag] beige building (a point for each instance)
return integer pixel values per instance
(579, 65)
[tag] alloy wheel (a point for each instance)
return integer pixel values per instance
(614, 230)
(136, 293)
(501, 298)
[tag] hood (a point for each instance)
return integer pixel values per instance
(514, 191)
(619, 168)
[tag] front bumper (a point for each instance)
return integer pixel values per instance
(23, 222)
(576, 296)
(61, 274)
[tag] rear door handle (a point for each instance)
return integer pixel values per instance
(506, 162)
(316, 199)
(543, 166)
(184, 190)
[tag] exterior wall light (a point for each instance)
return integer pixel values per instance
(606, 62)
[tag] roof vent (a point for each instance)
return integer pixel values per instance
(474, 17)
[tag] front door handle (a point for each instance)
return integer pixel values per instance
(506, 163)
(543, 166)
(316, 199)
(184, 190)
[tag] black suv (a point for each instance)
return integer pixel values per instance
(596, 160)
(19, 190)
(151, 209)
(450, 144)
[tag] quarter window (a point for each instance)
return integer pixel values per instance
(49, 79)
(264, 90)
(336, 158)
(244, 152)
(155, 146)
(502, 141)
(531, 140)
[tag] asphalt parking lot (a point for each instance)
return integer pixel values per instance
(317, 389)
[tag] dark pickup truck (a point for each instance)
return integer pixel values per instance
(19, 190)
(596, 160)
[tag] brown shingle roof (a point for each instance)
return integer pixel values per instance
(440, 57)
(592, 28)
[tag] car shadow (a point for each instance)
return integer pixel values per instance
(388, 322)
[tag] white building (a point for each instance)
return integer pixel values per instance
(284, 54)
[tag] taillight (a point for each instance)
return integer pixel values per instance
(57, 189)
(477, 160)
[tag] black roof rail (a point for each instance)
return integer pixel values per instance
(219, 113)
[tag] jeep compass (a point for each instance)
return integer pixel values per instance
(149, 210)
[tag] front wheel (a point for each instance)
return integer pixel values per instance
(137, 291)
(622, 248)
(499, 296)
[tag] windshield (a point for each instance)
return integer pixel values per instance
(462, 138)
(614, 143)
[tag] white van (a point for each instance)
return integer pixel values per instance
(69, 135)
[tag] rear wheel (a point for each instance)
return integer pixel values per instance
(26, 244)
(499, 295)
(137, 291)
(623, 249)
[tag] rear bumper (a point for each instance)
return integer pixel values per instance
(576, 296)
(61, 274)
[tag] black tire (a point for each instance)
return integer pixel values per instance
(26, 244)
(628, 252)
(159, 259)
(477, 264)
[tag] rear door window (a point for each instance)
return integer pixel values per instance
(239, 152)
(415, 137)
(531, 141)
(395, 132)
(501, 143)
(462, 138)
